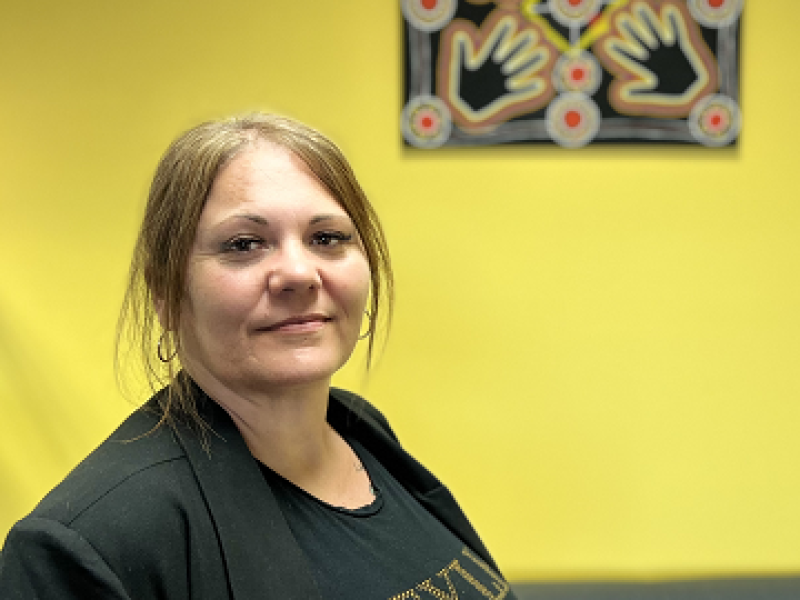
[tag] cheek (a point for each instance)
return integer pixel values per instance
(217, 301)
(358, 288)
(348, 288)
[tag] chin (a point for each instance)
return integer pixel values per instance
(270, 369)
(298, 371)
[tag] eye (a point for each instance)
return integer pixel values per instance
(330, 238)
(243, 244)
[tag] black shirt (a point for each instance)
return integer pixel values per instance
(392, 549)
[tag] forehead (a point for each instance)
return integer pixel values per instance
(268, 177)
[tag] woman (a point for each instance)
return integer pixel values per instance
(248, 476)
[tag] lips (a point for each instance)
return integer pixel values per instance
(299, 323)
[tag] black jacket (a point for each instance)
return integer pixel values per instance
(155, 513)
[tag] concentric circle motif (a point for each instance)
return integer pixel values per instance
(572, 119)
(577, 73)
(426, 122)
(571, 13)
(716, 13)
(429, 15)
(715, 120)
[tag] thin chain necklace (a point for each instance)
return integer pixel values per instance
(360, 467)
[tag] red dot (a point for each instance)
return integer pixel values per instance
(429, 4)
(716, 3)
(427, 122)
(578, 74)
(573, 118)
(716, 120)
(575, 2)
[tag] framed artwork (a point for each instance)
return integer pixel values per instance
(571, 72)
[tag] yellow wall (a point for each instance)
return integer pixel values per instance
(598, 350)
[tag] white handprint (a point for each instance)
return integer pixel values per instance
(491, 74)
(660, 61)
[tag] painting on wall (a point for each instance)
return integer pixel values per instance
(571, 72)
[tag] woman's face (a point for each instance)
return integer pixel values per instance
(277, 279)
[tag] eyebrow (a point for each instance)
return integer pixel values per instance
(262, 221)
(320, 218)
(251, 217)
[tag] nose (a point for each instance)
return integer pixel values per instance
(293, 270)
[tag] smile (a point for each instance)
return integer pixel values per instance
(299, 324)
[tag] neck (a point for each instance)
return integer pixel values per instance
(287, 431)
(285, 427)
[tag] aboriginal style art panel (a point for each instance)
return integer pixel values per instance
(571, 72)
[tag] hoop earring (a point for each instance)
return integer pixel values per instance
(160, 352)
(370, 328)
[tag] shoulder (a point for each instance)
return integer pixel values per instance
(124, 514)
(126, 463)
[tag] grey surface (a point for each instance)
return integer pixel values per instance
(767, 588)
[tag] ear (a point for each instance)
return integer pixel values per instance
(161, 311)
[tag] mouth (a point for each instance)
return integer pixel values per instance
(300, 323)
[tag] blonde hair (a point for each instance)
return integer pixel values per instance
(177, 197)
